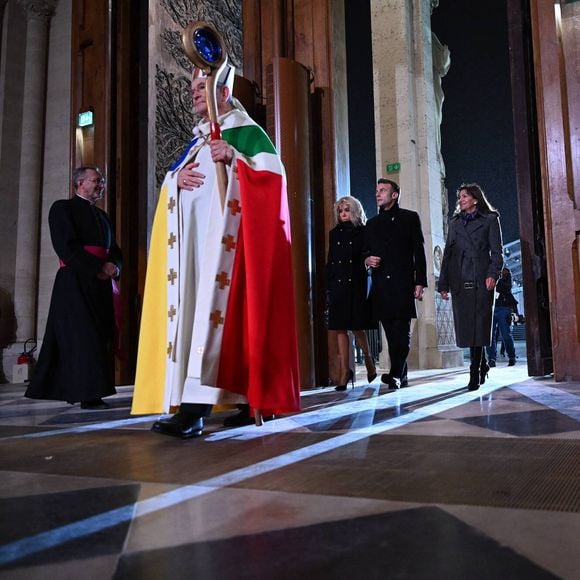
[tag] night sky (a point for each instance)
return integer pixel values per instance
(476, 133)
(361, 116)
(477, 130)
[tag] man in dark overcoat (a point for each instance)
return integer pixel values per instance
(394, 247)
(76, 360)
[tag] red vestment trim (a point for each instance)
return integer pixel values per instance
(259, 354)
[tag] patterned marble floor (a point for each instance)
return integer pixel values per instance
(430, 481)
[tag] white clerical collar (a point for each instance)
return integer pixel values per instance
(87, 200)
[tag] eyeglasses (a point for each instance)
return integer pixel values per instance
(101, 180)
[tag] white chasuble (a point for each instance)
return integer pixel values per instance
(203, 253)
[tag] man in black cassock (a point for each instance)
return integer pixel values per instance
(76, 362)
(395, 253)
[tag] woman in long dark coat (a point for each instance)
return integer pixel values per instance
(347, 285)
(472, 263)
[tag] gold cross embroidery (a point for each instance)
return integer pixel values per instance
(171, 276)
(216, 318)
(171, 240)
(171, 204)
(222, 280)
(169, 349)
(234, 206)
(229, 242)
(171, 312)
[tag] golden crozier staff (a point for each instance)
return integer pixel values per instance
(205, 48)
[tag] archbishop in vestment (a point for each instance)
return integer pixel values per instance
(218, 320)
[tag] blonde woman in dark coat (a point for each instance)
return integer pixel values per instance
(472, 263)
(346, 277)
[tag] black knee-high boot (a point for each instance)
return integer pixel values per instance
(484, 368)
(474, 368)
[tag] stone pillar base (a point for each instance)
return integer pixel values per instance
(435, 358)
(451, 356)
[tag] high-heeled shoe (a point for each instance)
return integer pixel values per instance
(483, 372)
(350, 379)
(371, 369)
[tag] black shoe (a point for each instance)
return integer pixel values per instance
(349, 379)
(372, 374)
(243, 418)
(391, 382)
(239, 420)
(404, 382)
(181, 425)
(95, 404)
(511, 362)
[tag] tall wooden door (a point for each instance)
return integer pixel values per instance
(545, 52)
(108, 79)
(556, 49)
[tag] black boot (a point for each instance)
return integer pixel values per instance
(483, 369)
(473, 384)
(475, 353)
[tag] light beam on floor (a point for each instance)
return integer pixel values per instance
(52, 538)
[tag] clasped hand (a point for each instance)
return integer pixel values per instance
(108, 270)
(189, 178)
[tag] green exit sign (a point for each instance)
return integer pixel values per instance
(393, 167)
(85, 119)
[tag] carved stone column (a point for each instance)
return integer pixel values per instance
(38, 15)
(406, 115)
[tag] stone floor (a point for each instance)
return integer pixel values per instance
(430, 481)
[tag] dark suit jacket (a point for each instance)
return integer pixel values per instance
(396, 237)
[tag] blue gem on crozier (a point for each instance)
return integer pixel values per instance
(207, 44)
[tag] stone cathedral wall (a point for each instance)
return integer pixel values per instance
(170, 74)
